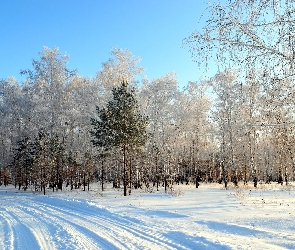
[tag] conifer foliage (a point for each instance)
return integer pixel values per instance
(120, 126)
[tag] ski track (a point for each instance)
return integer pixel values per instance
(115, 228)
(41, 225)
(36, 227)
(21, 236)
(30, 221)
(7, 233)
(69, 235)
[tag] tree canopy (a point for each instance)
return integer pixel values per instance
(120, 124)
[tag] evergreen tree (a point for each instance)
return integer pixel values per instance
(41, 160)
(23, 163)
(120, 125)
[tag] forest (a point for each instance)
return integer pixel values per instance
(59, 128)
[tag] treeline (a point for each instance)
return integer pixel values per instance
(42, 162)
(254, 108)
(58, 128)
(54, 106)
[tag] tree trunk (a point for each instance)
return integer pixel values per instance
(130, 176)
(197, 179)
(157, 174)
(165, 184)
(102, 175)
(124, 170)
(84, 181)
(224, 175)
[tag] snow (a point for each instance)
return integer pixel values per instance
(209, 217)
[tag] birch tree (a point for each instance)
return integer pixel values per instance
(122, 66)
(226, 115)
(48, 79)
(15, 109)
(248, 34)
(255, 35)
(194, 128)
(157, 99)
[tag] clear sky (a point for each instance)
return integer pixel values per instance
(87, 30)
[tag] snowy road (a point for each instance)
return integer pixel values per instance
(147, 221)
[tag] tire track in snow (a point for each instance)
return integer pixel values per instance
(36, 226)
(136, 234)
(58, 236)
(82, 237)
(7, 232)
(117, 225)
(61, 237)
(41, 225)
(98, 228)
(20, 218)
(22, 236)
(87, 226)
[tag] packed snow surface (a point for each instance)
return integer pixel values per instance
(209, 217)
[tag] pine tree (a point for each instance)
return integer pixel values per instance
(120, 125)
(23, 163)
(41, 160)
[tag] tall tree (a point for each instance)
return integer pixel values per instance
(157, 99)
(23, 163)
(120, 125)
(248, 33)
(123, 66)
(15, 113)
(47, 84)
(255, 36)
(226, 116)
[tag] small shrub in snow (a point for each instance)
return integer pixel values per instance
(175, 192)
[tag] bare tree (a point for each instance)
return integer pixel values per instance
(248, 34)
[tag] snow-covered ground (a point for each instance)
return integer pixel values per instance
(188, 218)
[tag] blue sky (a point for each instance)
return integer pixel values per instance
(87, 30)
